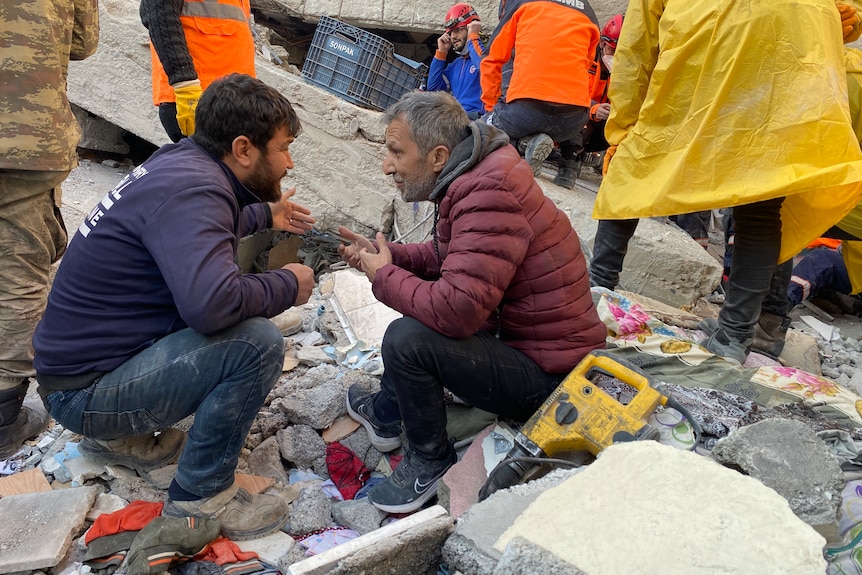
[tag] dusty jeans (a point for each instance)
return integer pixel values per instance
(223, 378)
(32, 237)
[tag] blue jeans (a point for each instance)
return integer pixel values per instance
(222, 378)
(480, 369)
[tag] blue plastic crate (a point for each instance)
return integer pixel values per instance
(359, 66)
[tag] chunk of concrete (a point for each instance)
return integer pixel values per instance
(303, 446)
(36, 529)
(788, 456)
(470, 549)
(265, 460)
(409, 545)
(643, 508)
(522, 557)
(359, 515)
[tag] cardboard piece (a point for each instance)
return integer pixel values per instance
(30, 481)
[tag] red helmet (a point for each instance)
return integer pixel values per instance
(459, 16)
(611, 31)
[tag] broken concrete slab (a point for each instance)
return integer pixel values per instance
(470, 549)
(270, 548)
(409, 545)
(522, 557)
(36, 529)
(679, 513)
(788, 457)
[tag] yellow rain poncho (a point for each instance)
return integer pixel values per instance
(852, 222)
(718, 104)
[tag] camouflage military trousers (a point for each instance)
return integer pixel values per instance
(32, 237)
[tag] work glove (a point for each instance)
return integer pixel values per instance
(851, 25)
(609, 153)
(187, 95)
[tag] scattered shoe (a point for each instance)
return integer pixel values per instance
(770, 334)
(289, 322)
(243, 516)
(384, 437)
(568, 173)
(535, 149)
(412, 483)
(730, 349)
(31, 421)
(142, 453)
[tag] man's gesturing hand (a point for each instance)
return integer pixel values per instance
(350, 252)
(374, 260)
(289, 216)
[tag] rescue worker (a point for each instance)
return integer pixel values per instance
(681, 141)
(193, 42)
(548, 97)
(461, 76)
(600, 107)
(38, 136)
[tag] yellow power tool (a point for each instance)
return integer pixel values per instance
(580, 416)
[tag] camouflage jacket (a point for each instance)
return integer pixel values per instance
(37, 40)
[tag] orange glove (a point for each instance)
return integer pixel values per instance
(851, 26)
(609, 153)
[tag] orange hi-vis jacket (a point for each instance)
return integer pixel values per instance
(218, 35)
(554, 43)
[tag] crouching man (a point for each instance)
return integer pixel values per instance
(497, 305)
(150, 319)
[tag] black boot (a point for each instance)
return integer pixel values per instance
(568, 173)
(609, 251)
(18, 422)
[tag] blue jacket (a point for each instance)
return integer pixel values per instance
(154, 256)
(462, 75)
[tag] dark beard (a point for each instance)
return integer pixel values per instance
(263, 183)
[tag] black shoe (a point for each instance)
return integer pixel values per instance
(568, 173)
(412, 483)
(384, 436)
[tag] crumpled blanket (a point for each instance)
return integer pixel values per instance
(670, 354)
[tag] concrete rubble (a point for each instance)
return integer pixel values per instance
(639, 508)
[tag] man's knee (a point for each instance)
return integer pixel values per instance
(265, 336)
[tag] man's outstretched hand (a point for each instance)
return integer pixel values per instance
(289, 216)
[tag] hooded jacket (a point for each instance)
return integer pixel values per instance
(504, 259)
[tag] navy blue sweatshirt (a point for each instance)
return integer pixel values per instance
(155, 256)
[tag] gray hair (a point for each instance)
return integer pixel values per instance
(434, 119)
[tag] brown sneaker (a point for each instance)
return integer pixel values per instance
(289, 322)
(142, 453)
(32, 420)
(770, 333)
(243, 515)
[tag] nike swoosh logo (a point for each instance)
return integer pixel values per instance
(421, 488)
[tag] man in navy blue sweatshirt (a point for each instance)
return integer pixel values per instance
(150, 319)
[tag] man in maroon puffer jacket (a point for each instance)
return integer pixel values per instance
(497, 306)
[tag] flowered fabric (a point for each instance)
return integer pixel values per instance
(670, 354)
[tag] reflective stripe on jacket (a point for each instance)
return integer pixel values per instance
(218, 35)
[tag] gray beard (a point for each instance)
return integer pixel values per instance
(419, 191)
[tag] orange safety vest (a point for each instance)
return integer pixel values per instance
(218, 35)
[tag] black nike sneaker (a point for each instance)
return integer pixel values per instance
(412, 483)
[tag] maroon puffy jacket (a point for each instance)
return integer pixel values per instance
(509, 263)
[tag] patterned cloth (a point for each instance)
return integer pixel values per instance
(670, 355)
